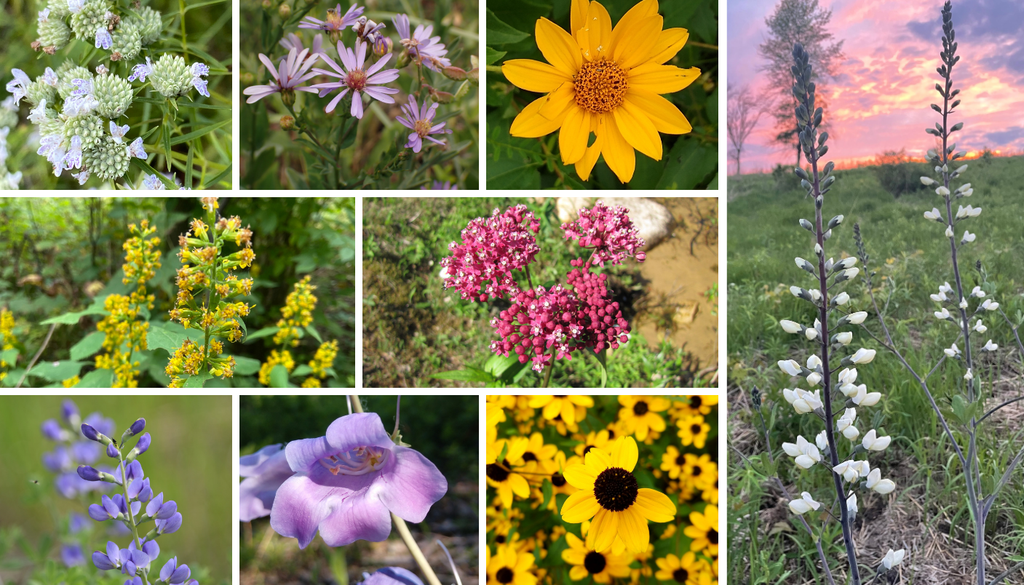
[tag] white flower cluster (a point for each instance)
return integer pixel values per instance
(8, 118)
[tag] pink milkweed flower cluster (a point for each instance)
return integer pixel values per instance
(357, 78)
(290, 72)
(421, 122)
(490, 250)
(344, 485)
(608, 232)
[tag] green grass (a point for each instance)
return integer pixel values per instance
(909, 258)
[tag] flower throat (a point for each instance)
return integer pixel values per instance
(358, 461)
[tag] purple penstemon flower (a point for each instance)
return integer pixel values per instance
(347, 483)
(265, 471)
(290, 72)
(357, 79)
(421, 46)
(421, 122)
(336, 21)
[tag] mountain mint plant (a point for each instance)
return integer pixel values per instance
(962, 313)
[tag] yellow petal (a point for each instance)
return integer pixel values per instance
(596, 35)
(637, 42)
(579, 506)
(572, 142)
(523, 562)
(505, 494)
(638, 130)
(578, 15)
(586, 164)
(530, 124)
(520, 486)
(666, 117)
(624, 454)
(603, 530)
(633, 530)
(661, 78)
(643, 10)
(556, 103)
(558, 47)
(654, 505)
(568, 410)
(579, 477)
(577, 572)
(533, 75)
(669, 42)
(621, 158)
(552, 409)
(597, 461)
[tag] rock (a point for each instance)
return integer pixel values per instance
(685, 314)
(652, 220)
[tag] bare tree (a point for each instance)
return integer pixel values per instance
(804, 22)
(744, 112)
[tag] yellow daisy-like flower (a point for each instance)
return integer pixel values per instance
(685, 570)
(710, 493)
(692, 405)
(599, 439)
(587, 562)
(500, 474)
(645, 569)
(698, 471)
(640, 414)
(704, 531)
(509, 567)
(693, 430)
(561, 405)
(556, 469)
(611, 496)
(537, 457)
(672, 461)
(603, 81)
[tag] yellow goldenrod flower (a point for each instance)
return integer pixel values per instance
(704, 531)
(311, 383)
(587, 562)
(297, 312)
(611, 496)
(324, 358)
(509, 567)
(693, 430)
(640, 414)
(7, 338)
(553, 406)
(605, 82)
(283, 357)
(686, 570)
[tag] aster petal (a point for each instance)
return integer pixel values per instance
(533, 75)
(655, 506)
(670, 41)
(359, 517)
(637, 42)
(625, 454)
(530, 124)
(580, 506)
(378, 65)
(558, 102)
(357, 105)
(638, 130)
(666, 117)
(603, 530)
(383, 77)
(579, 477)
(558, 47)
(380, 94)
(411, 486)
(621, 158)
(662, 78)
(348, 58)
(269, 65)
(633, 529)
(414, 142)
(334, 103)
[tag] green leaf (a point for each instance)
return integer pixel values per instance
(504, 452)
(279, 377)
(499, 33)
(198, 133)
(470, 374)
(97, 379)
(960, 408)
(89, 345)
(316, 334)
(548, 490)
(262, 333)
(57, 371)
(196, 381)
(688, 164)
(302, 371)
(493, 56)
(162, 338)
(339, 568)
(246, 366)
(602, 358)
(72, 318)
(9, 355)
(145, 168)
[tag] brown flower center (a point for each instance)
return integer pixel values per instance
(615, 489)
(600, 86)
(356, 80)
(504, 575)
(680, 575)
(594, 562)
(422, 127)
(640, 408)
(497, 472)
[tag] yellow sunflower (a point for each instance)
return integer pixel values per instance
(509, 567)
(500, 474)
(704, 531)
(611, 496)
(640, 414)
(587, 562)
(685, 570)
(693, 430)
(560, 405)
(605, 82)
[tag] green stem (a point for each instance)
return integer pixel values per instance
(551, 367)
(128, 504)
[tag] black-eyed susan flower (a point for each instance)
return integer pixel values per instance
(599, 439)
(693, 430)
(510, 567)
(537, 457)
(611, 496)
(640, 414)
(693, 405)
(587, 562)
(553, 406)
(605, 82)
(672, 462)
(685, 570)
(698, 471)
(644, 570)
(704, 531)
(500, 474)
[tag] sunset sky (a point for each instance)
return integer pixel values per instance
(880, 99)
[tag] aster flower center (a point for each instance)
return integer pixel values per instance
(356, 80)
(615, 489)
(680, 575)
(600, 86)
(334, 21)
(422, 127)
(594, 562)
(358, 461)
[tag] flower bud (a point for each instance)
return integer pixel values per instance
(927, 181)
(137, 426)
(112, 451)
(790, 326)
(840, 299)
(835, 221)
(284, 11)
(143, 445)
(807, 225)
(843, 338)
(89, 473)
(863, 356)
(287, 123)
(893, 558)
(454, 73)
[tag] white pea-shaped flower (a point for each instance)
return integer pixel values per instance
(977, 292)
(856, 318)
(952, 351)
(804, 505)
(872, 442)
(804, 401)
(980, 327)
(949, 231)
(815, 295)
(939, 298)
(927, 181)
(879, 485)
(945, 288)
(851, 273)
(847, 470)
(791, 367)
(844, 338)
(790, 326)
(893, 558)
(845, 424)
(933, 215)
(989, 346)
(822, 441)
(811, 334)
(841, 299)
(851, 506)
(989, 305)
(968, 237)
(863, 356)
(863, 468)
(814, 378)
(846, 263)
(864, 398)
(943, 314)
(963, 305)
(847, 376)
(813, 362)
(969, 375)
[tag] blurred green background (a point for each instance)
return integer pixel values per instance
(189, 461)
(690, 161)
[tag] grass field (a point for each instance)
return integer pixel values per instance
(927, 514)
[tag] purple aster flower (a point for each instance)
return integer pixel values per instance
(391, 576)
(19, 86)
(348, 482)
(336, 21)
(290, 72)
(265, 471)
(421, 122)
(421, 46)
(292, 41)
(354, 77)
(71, 555)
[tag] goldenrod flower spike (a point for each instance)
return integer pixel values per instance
(605, 82)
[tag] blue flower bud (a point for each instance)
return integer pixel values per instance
(88, 473)
(102, 561)
(143, 445)
(90, 432)
(170, 525)
(69, 409)
(51, 430)
(137, 426)
(180, 575)
(112, 451)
